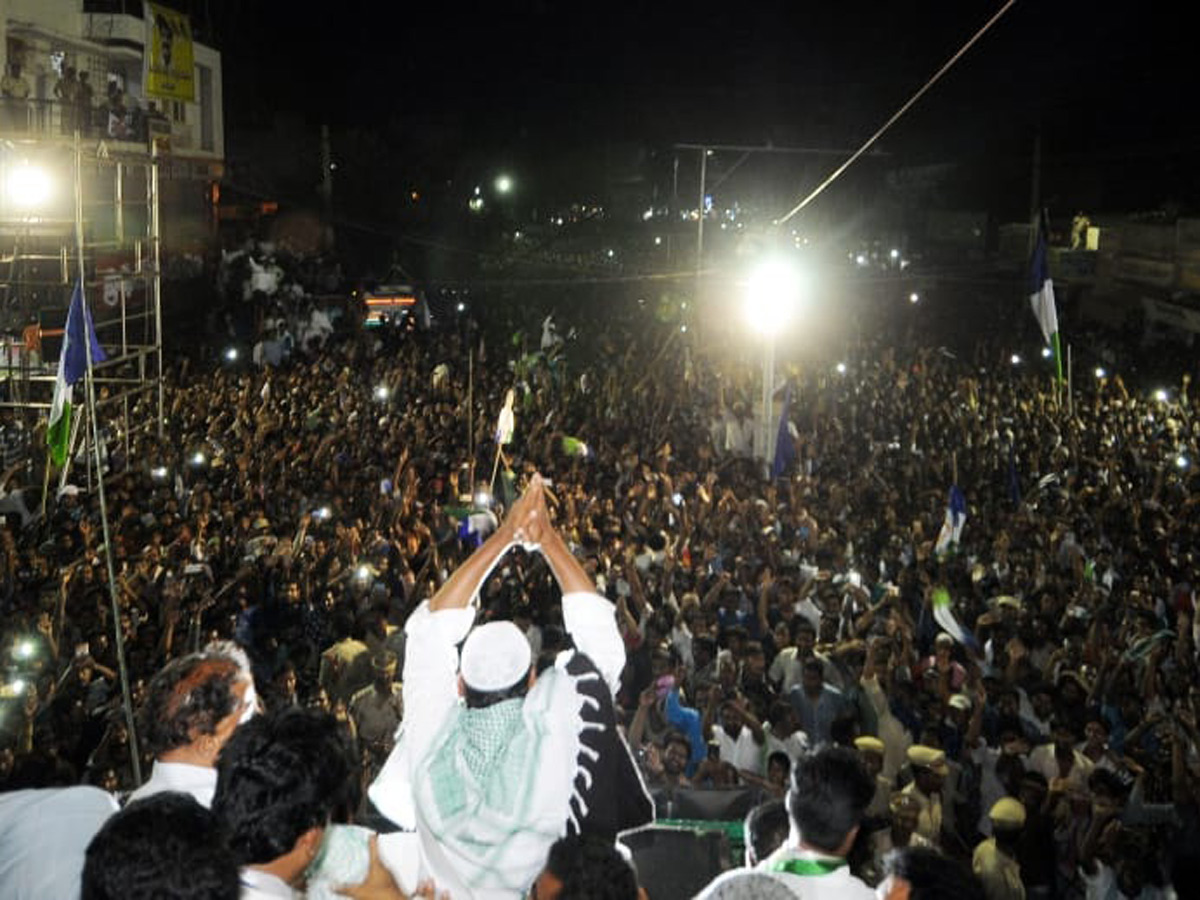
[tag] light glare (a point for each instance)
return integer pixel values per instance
(772, 295)
(28, 186)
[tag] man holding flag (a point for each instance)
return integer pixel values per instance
(1041, 296)
(73, 363)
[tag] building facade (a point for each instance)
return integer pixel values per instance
(90, 66)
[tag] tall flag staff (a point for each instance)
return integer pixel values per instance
(92, 354)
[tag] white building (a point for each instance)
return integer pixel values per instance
(40, 40)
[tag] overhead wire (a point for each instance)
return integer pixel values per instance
(896, 116)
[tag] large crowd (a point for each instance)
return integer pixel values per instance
(1022, 699)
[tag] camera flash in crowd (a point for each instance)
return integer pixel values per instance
(231, 354)
(381, 393)
(159, 473)
(24, 649)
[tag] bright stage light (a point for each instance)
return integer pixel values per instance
(772, 295)
(29, 187)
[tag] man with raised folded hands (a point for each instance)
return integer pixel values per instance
(493, 762)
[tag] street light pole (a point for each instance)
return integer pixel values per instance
(700, 219)
(768, 390)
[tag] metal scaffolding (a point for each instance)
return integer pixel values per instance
(99, 224)
(103, 235)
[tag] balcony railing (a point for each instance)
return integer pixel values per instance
(47, 118)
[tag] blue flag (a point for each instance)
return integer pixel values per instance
(1041, 296)
(785, 447)
(72, 365)
(952, 526)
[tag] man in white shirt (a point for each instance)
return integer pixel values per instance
(192, 707)
(829, 794)
(740, 737)
(1060, 760)
(43, 835)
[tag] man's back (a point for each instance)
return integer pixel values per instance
(815, 877)
(43, 837)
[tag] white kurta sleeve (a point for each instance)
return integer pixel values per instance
(430, 693)
(592, 622)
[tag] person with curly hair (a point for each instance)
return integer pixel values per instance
(167, 845)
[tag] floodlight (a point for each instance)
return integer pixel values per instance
(772, 295)
(29, 187)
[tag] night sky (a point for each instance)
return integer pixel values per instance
(1101, 83)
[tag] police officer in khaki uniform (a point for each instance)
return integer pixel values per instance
(929, 770)
(995, 860)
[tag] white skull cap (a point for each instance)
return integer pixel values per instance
(495, 656)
